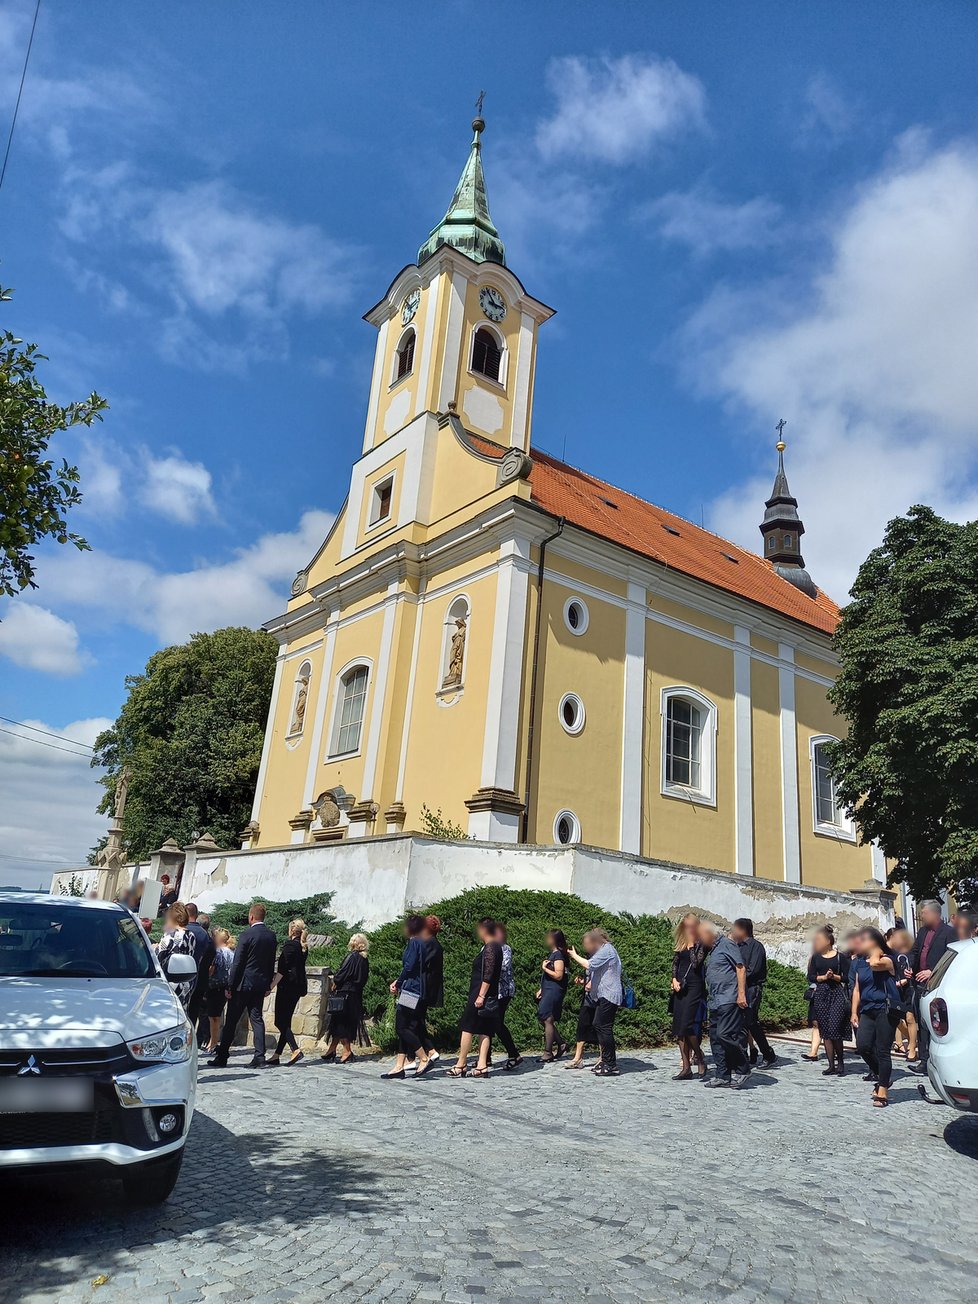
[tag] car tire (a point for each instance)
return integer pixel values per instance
(152, 1183)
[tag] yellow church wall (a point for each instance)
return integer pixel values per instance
(766, 757)
(394, 468)
(676, 828)
(572, 572)
(690, 616)
(288, 757)
(826, 861)
(484, 405)
(447, 730)
(580, 773)
(460, 480)
(358, 640)
(765, 645)
(816, 666)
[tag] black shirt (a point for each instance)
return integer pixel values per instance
(755, 961)
(434, 974)
(292, 967)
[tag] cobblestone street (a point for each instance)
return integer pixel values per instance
(305, 1183)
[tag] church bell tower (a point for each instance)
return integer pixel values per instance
(782, 529)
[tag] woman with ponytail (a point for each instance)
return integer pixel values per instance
(290, 983)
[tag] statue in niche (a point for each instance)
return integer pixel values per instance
(299, 714)
(456, 655)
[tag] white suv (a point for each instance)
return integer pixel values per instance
(98, 1062)
(950, 1007)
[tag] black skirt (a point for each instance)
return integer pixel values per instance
(688, 1013)
(347, 1024)
(585, 1023)
(215, 1002)
(480, 1024)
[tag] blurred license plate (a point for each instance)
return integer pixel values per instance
(61, 1095)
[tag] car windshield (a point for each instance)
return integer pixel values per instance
(45, 941)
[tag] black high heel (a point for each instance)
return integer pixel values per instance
(328, 1057)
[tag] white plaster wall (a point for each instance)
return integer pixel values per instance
(444, 869)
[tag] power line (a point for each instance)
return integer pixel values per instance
(46, 732)
(38, 743)
(23, 76)
(34, 860)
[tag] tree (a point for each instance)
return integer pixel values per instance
(35, 492)
(908, 645)
(190, 738)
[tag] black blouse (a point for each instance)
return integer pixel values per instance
(486, 968)
(687, 969)
(352, 974)
(822, 964)
(292, 967)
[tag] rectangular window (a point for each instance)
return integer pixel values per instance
(826, 804)
(684, 733)
(350, 721)
(380, 507)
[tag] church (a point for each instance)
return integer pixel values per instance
(542, 657)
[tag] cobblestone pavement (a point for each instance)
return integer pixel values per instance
(307, 1183)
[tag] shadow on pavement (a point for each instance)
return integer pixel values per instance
(962, 1135)
(72, 1227)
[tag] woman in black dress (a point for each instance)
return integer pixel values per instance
(290, 983)
(434, 982)
(345, 1002)
(550, 997)
(481, 1015)
(828, 973)
(688, 1000)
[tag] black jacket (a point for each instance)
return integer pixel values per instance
(944, 935)
(254, 960)
(434, 977)
(292, 967)
(204, 951)
(755, 961)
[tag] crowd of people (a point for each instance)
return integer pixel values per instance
(866, 989)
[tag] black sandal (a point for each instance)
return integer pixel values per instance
(479, 1073)
(513, 1063)
(458, 1071)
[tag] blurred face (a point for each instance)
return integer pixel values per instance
(930, 917)
(821, 940)
(691, 929)
(900, 941)
(738, 934)
(587, 946)
(964, 927)
(484, 934)
(865, 944)
(706, 934)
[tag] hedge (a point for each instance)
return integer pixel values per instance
(643, 942)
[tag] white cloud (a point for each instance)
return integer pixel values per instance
(707, 224)
(101, 468)
(49, 819)
(37, 639)
(873, 363)
(828, 115)
(247, 589)
(177, 489)
(617, 110)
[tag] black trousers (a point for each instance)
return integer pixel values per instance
(923, 1027)
(605, 1013)
(752, 1022)
(505, 1036)
(874, 1041)
(728, 1041)
(285, 1003)
(252, 1000)
(409, 1028)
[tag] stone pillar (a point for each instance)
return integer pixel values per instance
(395, 815)
(879, 901)
(168, 859)
(362, 817)
(204, 844)
(299, 824)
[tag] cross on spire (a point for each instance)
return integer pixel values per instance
(780, 428)
(479, 102)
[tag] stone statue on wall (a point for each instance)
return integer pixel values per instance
(299, 714)
(456, 656)
(121, 793)
(327, 810)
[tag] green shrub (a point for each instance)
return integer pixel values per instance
(644, 944)
(233, 915)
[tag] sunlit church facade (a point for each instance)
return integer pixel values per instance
(541, 656)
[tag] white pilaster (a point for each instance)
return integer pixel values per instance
(789, 766)
(878, 862)
(633, 718)
(451, 362)
(426, 358)
(743, 758)
(519, 434)
(376, 383)
(266, 746)
(379, 693)
(310, 792)
(409, 703)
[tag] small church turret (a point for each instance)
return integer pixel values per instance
(782, 529)
(467, 225)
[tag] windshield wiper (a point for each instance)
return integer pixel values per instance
(60, 973)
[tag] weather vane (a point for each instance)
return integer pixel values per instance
(478, 103)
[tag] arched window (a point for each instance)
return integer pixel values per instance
(348, 719)
(455, 642)
(487, 354)
(404, 358)
(829, 817)
(300, 698)
(689, 722)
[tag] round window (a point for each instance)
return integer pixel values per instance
(567, 828)
(575, 615)
(571, 713)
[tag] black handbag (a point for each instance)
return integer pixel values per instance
(489, 1009)
(336, 1002)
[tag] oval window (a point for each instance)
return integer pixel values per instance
(571, 713)
(567, 828)
(575, 615)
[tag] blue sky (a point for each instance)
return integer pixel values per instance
(740, 212)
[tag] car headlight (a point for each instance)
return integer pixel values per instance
(170, 1047)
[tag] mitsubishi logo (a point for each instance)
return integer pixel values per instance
(31, 1066)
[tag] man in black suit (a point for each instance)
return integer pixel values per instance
(755, 962)
(204, 952)
(249, 984)
(933, 938)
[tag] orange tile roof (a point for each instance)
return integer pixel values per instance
(621, 518)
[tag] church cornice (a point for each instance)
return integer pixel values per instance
(448, 260)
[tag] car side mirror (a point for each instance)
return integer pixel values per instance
(181, 967)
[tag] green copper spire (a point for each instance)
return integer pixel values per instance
(467, 225)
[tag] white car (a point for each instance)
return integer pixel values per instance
(98, 1062)
(950, 1007)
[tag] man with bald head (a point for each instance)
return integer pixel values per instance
(726, 996)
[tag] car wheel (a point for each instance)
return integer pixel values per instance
(152, 1183)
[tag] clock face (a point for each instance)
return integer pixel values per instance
(492, 303)
(410, 306)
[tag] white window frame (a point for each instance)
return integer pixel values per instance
(500, 339)
(305, 669)
(357, 663)
(401, 339)
(575, 601)
(374, 500)
(578, 725)
(575, 828)
(845, 829)
(706, 793)
(452, 612)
